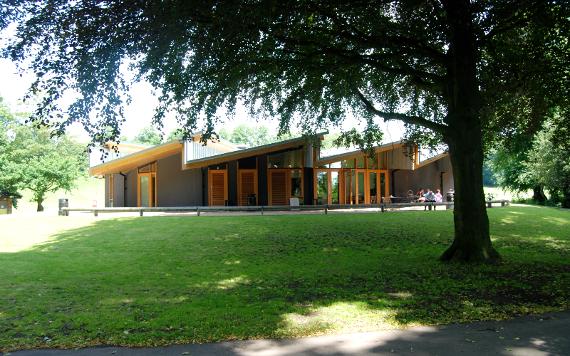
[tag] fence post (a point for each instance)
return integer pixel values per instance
(326, 209)
(262, 210)
(198, 211)
(95, 213)
(382, 207)
(141, 212)
(489, 204)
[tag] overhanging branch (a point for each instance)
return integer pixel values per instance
(409, 119)
(389, 63)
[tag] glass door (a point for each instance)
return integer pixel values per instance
(147, 190)
(384, 187)
(335, 187)
(373, 187)
(360, 188)
(322, 188)
(349, 187)
(143, 185)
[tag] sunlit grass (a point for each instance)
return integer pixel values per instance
(70, 282)
(87, 193)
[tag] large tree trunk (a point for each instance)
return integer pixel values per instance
(566, 196)
(472, 242)
(538, 195)
(40, 206)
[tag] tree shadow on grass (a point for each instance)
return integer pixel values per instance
(172, 280)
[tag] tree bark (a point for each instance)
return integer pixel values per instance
(472, 242)
(566, 196)
(538, 195)
(40, 206)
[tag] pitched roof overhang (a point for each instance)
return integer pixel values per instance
(378, 149)
(248, 152)
(137, 159)
(431, 160)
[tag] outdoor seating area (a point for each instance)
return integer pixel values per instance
(422, 196)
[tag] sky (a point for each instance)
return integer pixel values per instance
(139, 113)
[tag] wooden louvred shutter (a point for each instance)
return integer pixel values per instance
(218, 188)
(247, 186)
(279, 188)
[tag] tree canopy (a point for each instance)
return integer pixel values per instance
(9, 177)
(249, 135)
(450, 67)
(148, 136)
(31, 158)
(542, 163)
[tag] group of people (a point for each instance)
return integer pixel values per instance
(428, 196)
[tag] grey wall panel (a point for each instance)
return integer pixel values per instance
(119, 193)
(430, 176)
(445, 166)
(177, 187)
(118, 190)
(427, 177)
(402, 180)
(107, 203)
(131, 196)
(204, 172)
(399, 159)
(433, 175)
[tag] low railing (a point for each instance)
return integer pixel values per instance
(262, 209)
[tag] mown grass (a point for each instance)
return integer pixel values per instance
(162, 280)
(88, 192)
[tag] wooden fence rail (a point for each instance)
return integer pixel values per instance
(262, 209)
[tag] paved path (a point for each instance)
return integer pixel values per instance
(538, 335)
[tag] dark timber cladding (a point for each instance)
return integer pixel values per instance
(267, 179)
(233, 183)
(262, 180)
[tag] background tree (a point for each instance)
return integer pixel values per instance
(248, 135)
(175, 135)
(507, 164)
(148, 136)
(549, 166)
(45, 164)
(426, 63)
(9, 177)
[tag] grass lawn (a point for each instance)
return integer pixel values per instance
(88, 192)
(162, 280)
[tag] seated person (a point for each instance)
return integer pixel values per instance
(421, 196)
(438, 196)
(429, 196)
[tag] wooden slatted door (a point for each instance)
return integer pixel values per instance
(247, 186)
(218, 187)
(278, 191)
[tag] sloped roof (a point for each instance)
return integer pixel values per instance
(431, 160)
(137, 159)
(351, 154)
(248, 152)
